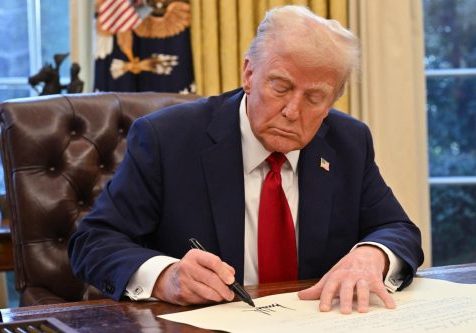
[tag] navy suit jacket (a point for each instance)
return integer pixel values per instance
(182, 177)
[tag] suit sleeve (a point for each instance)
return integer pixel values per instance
(108, 246)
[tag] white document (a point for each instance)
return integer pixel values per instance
(426, 306)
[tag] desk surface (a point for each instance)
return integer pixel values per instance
(125, 316)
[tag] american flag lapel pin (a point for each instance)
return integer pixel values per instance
(325, 164)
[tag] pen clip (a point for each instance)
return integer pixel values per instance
(196, 244)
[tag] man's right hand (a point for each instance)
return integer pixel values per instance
(200, 277)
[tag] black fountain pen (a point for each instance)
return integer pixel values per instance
(235, 286)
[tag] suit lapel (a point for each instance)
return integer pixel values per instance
(315, 202)
(223, 167)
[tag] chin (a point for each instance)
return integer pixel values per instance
(281, 146)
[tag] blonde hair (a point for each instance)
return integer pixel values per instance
(311, 36)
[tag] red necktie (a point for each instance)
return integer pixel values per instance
(277, 258)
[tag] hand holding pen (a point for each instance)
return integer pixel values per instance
(235, 286)
(198, 278)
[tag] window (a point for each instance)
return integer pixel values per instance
(450, 60)
(32, 31)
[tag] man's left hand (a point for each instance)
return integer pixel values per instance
(360, 271)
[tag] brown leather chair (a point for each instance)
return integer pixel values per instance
(58, 152)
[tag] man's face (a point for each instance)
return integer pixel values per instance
(287, 99)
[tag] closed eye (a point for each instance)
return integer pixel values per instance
(316, 98)
(280, 86)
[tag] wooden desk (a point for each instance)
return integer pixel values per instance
(6, 253)
(109, 316)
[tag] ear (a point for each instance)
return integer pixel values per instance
(246, 75)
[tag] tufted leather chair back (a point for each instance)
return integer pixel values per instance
(58, 152)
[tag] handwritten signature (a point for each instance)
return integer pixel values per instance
(269, 309)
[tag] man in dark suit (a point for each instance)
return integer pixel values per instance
(197, 170)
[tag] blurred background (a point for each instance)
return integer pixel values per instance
(443, 199)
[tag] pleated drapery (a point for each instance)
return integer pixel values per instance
(389, 96)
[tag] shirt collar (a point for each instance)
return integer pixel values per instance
(253, 151)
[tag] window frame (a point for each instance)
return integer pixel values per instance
(452, 72)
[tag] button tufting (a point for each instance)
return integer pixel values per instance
(52, 168)
(80, 203)
(101, 166)
(121, 130)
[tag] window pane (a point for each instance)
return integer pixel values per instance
(55, 32)
(10, 93)
(451, 107)
(450, 30)
(453, 210)
(14, 60)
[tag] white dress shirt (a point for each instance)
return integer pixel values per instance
(255, 168)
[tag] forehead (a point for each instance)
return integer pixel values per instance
(293, 70)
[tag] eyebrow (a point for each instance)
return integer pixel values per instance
(273, 76)
(320, 87)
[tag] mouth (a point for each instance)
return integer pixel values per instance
(282, 132)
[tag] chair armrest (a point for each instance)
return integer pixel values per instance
(39, 296)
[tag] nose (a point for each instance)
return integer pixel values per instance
(291, 110)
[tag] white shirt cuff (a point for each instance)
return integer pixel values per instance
(142, 282)
(394, 279)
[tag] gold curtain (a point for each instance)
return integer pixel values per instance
(390, 97)
(222, 30)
